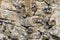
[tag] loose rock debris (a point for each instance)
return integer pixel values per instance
(29, 20)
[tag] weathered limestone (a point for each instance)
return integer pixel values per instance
(29, 19)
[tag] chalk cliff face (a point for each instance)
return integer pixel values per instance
(29, 19)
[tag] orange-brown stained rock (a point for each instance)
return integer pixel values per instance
(0, 2)
(27, 3)
(10, 4)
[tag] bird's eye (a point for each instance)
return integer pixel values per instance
(37, 20)
(47, 10)
(33, 5)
